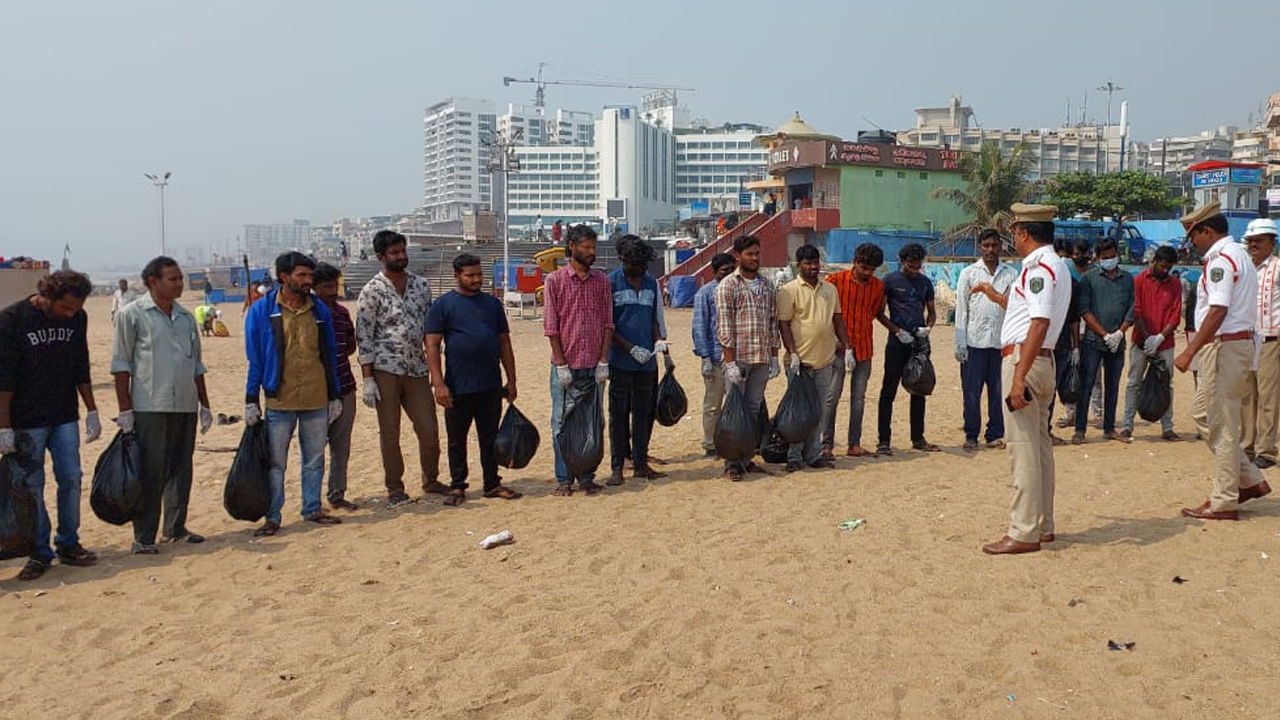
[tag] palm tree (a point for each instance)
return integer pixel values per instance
(995, 183)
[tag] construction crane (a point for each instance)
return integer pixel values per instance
(541, 83)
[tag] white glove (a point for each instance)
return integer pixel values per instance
(795, 363)
(602, 372)
(850, 360)
(206, 419)
(564, 375)
(335, 410)
(905, 337)
(252, 414)
(962, 353)
(1113, 340)
(8, 441)
(773, 367)
(922, 332)
(708, 368)
(92, 426)
(369, 392)
(125, 421)
(641, 355)
(660, 347)
(732, 373)
(1075, 355)
(1152, 344)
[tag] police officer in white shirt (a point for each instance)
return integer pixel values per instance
(1037, 310)
(1226, 308)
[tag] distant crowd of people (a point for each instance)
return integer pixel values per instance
(1016, 331)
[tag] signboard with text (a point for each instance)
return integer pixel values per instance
(818, 153)
(1246, 176)
(1209, 178)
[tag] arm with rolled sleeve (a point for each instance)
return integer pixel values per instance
(726, 316)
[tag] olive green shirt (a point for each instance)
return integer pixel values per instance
(302, 379)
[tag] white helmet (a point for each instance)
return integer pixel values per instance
(1261, 226)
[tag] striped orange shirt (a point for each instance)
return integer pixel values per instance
(859, 305)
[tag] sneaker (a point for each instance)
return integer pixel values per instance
(397, 498)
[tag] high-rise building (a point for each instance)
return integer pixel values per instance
(455, 159)
(637, 170)
(1171, 156)
(713, 165)
(556, 182)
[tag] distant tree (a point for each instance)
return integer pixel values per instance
(1119, 195)
(995, 183)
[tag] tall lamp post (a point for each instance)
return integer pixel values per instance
(160, 181)
(503, 161)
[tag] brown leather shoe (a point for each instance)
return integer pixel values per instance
(1008, 546)
(1204, 513)
(1255, 492)
(1047, 538)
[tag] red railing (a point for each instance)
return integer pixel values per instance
(702, 259)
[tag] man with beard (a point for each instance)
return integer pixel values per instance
(1262, 392)
(44, 364)
(1157, 309)
(861, 301)
(391, 321)
(977, 339)
(1226, 309)
(293, 357)
(578, 322)
(909, 314)
(633, 365)
(813, 333)
(747, 312)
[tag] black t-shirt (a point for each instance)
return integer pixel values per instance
(42, 360)
(470, 325)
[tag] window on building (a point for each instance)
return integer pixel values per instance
(879, 173)
(924, 176)
(901, 175)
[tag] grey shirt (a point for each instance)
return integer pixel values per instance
(162, 354)
(1110, 299)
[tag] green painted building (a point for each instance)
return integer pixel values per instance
(886, 198)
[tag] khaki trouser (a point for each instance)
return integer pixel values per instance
(1030, 453)
(712, 401)
(413, 394)
(1224, 369)
(1261, 408)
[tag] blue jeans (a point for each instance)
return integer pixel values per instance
(63, 443)
(982, 368)
(558, 395)
(1095, 359)
(313, 433)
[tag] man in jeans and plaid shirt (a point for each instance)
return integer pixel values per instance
(747, 312)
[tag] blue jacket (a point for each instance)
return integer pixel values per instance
(705, 342)
(635, 315)
(264, 346)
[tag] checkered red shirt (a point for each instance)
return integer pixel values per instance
(577, 310)
(748, 319)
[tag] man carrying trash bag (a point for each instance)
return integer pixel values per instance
(747, 316)
(1157, 310)
(1037, 312)
(472, 327)
(44, 363)
(813, 332)
(577, 319)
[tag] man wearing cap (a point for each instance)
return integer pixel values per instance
(1037, 311)
(1262, 389)
(1226, 307)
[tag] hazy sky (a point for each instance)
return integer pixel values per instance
(270, 110)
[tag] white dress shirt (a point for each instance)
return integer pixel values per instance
(1228, 281)
(1042, 291)
(977, 316)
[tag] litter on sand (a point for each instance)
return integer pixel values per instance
(853, 524)
(1178, 579)
(1113, 645)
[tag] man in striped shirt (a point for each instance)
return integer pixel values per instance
(1262, 392)
(861, 301)
(747, 313)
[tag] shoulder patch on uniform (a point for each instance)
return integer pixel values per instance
(1216, 274)
(1037, 284)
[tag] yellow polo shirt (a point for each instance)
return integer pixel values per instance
(811, 310)
(302, 379)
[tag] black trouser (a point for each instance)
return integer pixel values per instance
(631, 406)
(896, 355)
(485, 408)
(166, 442)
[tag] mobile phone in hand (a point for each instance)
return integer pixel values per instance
(1008, 399)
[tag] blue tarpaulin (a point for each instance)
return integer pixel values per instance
(682, 288)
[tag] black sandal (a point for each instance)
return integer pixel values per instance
(456, 497)
(563, 490)
(33, 569)
(590, 487)
(77, 556)
(504, 493)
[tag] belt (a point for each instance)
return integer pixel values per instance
(1007, 350)
(1242, 335)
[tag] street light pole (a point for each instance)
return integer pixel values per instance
(160, 181)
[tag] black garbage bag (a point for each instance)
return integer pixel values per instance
(517, 440)
(800, 410)
(737, 433)
(247, 494)
(1069, 390)
(672, 402)
(918, 377)
(774, 449)
(18, 510)
(582, 431)
(116, 493)
(1155, 395)
(764, 426)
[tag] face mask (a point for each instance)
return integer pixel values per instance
(1109, 264)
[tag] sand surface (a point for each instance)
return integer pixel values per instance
(686, 597)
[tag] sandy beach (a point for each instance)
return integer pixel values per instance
(685, 597)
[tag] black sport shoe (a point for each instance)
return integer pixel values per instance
(397, 498)
(77, 556)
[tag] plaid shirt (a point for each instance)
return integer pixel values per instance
(345, 332)
(578, 310)
(748, 318)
